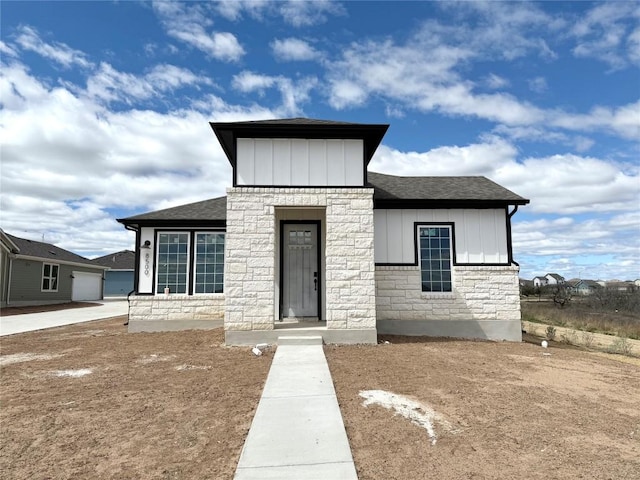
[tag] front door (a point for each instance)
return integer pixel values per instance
(300, 280)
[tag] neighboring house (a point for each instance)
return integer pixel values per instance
(118, 280)
(548, 279)
(539, 282)
(309, 242)
(620, 286)
(38, 273)
(554, 279)
(583, 287)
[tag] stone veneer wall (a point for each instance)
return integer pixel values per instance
(250, 256)
(149, 313)
(485, 303)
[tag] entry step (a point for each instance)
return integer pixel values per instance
(300, 340)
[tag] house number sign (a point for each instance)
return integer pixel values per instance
(146, 264)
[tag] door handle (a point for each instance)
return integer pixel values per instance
(315, 281)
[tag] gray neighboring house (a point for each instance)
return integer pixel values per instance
(38, 273)
(308, 241)
(118, 280)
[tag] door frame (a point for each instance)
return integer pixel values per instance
(318, 224)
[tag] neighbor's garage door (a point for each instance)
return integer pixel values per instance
(86, 286)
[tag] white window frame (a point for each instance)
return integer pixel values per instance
(448, 226)
(50, 277)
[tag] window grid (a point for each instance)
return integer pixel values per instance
(209, 263)
(173, 262)
(49, 277)
(435, 258)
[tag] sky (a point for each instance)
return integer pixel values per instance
(104, 109)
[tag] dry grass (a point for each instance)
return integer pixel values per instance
(579, 316)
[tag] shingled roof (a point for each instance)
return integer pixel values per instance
(123, 260)
(389, 192)
(213, 212)
(440, 192)
(47, 251)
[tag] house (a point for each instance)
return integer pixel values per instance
(583, 287)
(548, 279)
(38, 273)
(308, 241)
(539, 282)
(118, 281)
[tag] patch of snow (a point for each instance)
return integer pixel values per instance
(73, 373)
(418, 413)
(25, 357)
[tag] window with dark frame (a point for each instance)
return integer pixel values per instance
(175, 261)
(209, 263)
(434, 243)
(50, 277)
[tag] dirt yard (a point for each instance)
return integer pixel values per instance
(498, 411)
(90, 401)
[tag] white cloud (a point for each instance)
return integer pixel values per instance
(7, 50)
(558, 184)
(188, 23)
(310, 12)
(538, 84)
(107, 84)
(293, 93)
(294, 12)
(623, 121)
(606, 33)
(496, 81)
(29, 39)
(289, 49)
(68, 160)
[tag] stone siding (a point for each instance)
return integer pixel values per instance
(480, 294)
(176, 308)
(251, 256)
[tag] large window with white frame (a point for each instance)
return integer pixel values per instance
(50, 277)
(190, 262)
(435, 256)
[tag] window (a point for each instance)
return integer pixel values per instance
(49, 277)
(185, 268)
(209, 263)
(173, 262)
(435, 258)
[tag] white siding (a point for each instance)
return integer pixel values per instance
(481, 235)
(300, 162)
(145, 280)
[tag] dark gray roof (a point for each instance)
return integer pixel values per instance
(213, 210)
(389, 190)
(457, 189)
(294, 121)
(123, 260)
(47, 251)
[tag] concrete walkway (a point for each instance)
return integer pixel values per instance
(29, 322)
(297, 432)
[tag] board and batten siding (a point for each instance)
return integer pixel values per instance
(300, 162)
(480, 235)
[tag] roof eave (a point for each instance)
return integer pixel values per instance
(397, 203)
(227, 133)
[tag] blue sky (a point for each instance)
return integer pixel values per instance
(105, 109)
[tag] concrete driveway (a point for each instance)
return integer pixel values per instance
(29, 322)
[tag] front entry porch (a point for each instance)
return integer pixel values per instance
(295, 256)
